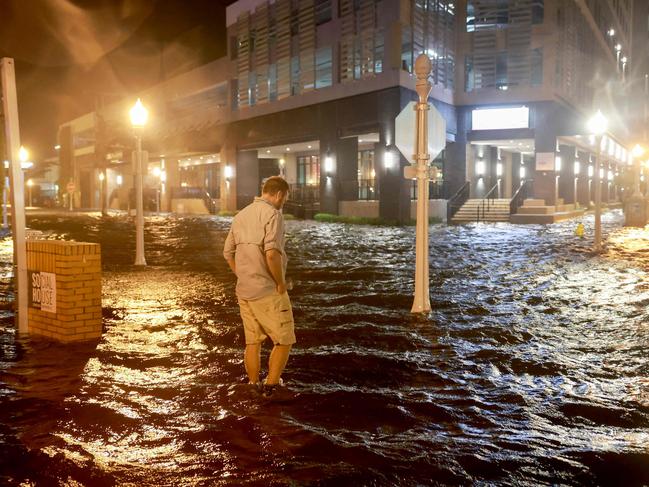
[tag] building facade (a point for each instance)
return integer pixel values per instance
(310, 89)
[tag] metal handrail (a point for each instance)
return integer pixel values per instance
(519, 196)
(486, 201)
(456, 201)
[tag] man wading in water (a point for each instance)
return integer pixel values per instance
(254, 250)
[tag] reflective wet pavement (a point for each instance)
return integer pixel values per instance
(532, 368)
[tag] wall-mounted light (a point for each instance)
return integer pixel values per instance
(389, 158)
(591, 171)
(480, 168)
(499, 169)
(601, 173)
(611, 32)
(610, 175)
(328, 164)
(577, 167)
(521, 172)
(227, 172)
(119, 180)
(101, 176)
(557, 163)
(282, 162)
(156, 172)
(163, 176)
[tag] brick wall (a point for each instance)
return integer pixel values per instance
(77, 267)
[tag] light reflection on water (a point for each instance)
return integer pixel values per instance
(531, 368)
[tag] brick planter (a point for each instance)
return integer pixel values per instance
(64, 290)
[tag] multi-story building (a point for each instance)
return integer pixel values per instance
(311, 88)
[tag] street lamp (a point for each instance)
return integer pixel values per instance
(30, 183)
(597, 126)
(139, 117)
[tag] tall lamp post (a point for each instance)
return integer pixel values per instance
(139, 117)
(597, 126)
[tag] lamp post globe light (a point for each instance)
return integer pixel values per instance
(597, 126)
(139, 117)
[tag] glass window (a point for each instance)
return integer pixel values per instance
(366, 175)
(295, 75)
(379, 48)
(501, 69)
(308, 170)
(537, 11)
(468, 74)
(323, 67)
(252, 88)
(272, 82)
(406, 49)
(322, 10)
(537, 66)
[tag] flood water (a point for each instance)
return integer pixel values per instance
(532, 368)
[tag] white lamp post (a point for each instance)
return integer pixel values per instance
(597, 126)
(139, 117)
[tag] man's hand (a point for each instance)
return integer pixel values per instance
(274, 262)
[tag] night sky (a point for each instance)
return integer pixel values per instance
(70, 54)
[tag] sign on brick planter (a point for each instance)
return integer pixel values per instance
(64, 289)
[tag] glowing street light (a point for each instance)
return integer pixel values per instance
(139, 117)
(597, 126)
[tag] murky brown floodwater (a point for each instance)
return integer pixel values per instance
(532, 369)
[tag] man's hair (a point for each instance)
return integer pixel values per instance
(274, 184)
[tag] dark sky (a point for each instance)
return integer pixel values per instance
(70, 52)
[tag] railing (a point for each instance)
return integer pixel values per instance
(304, 200)
(367, 190)
(524, 190)
(456, 201)
(485, 203)
(436, 190)
(195, 193)
(304, 193)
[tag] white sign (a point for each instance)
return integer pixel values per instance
(545, 161)
(405, 132)
(43, 291)
(500, 118)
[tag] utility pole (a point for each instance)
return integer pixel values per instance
(12, 138)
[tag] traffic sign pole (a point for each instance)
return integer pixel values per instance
(421, 302)
(12, 137)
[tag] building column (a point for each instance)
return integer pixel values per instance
(173, 181)
(229, 176)
(544, 180)
(394, 189)
(246, 178)
(507, 175)
(516, 159)
(567, 173)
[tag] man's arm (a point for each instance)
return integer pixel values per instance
(229, 250)
(274, 262)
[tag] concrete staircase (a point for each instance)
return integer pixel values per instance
(498, 211)
(536, 211)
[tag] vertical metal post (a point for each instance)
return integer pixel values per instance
(12, 136)
(421, 302)
(5, 197)
(139, 217)
(598, 196)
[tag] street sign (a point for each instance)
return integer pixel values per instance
(410, 172)
(405, 132)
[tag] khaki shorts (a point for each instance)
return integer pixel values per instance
(271, 316)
